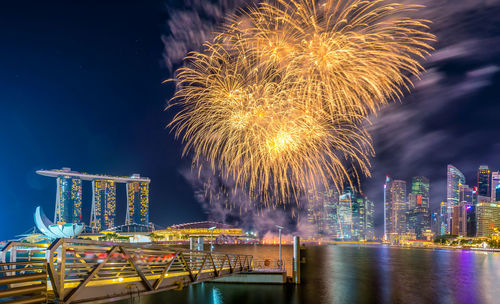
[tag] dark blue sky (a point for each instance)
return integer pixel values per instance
(80, 86)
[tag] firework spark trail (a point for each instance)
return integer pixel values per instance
(277, 100)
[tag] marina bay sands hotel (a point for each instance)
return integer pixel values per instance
(69, 198)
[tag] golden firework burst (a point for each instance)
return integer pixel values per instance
(276, 102)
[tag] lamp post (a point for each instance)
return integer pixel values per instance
(279, 231)
(211, 229)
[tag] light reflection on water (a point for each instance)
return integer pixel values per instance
(352, 274)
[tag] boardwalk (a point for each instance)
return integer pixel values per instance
(89, 271)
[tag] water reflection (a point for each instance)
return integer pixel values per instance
(352, 274)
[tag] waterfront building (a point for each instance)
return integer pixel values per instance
(362, 215)
(435, 223)
(418, 222)
(471, 220)
(137, 203)
(387, 208)
(68, 200)
(443, 216)
(330, 204)
(344, 214)
(398, 206)
(103, 212)
(420, 189)
(495, 186)
(459, 220)
(369, 233)
(488, 218)
(484, 181)
(455, 178)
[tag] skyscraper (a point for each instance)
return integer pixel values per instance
(488, 217)
(330, 204)
(455, 178)
(370, 220)
(344, 215)
(418, 221)
(484, 181)
(68, 200)
(137, 203)
(443, 216)
(103, 212)
(387, 207)
(398, 206)
(495, 186)
(420, 189)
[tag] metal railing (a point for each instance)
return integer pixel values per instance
(23, 282)
(79, 269)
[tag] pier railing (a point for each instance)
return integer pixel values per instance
(84, 270)
(23, 273)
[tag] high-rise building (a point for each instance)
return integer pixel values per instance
(459, 220)
(484, 181)
(68, 200)
(418, 221)
(443, 216)
(398, 206)
(369, 233)
(103, 212)
(320, 210)
(420, 190)
(455, 178)
(495, 186)
(487, 217)
(362, 216)
(466, 217)
(387, 208)
(344, 215)
(330, 204)
(137, 203)
(471, 220)
(435, 223)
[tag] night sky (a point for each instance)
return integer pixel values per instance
(81, 87)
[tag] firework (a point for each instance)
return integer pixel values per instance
(350, 56)
(276, 102)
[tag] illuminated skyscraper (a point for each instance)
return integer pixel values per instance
(443, 216)
(418, 221)
(387, 208)
(488, 218)
(398, 206)
(484, 181)
(68, 200)
(455, 178)
(137, 203)
(420, 191)
(344, 215)
(495, 186)
(330, 204)
(103, 213)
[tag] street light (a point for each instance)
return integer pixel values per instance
(211, 229)
(279, 229)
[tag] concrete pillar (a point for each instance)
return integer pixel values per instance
(192, 243)
(296, 260)
(200, 243)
